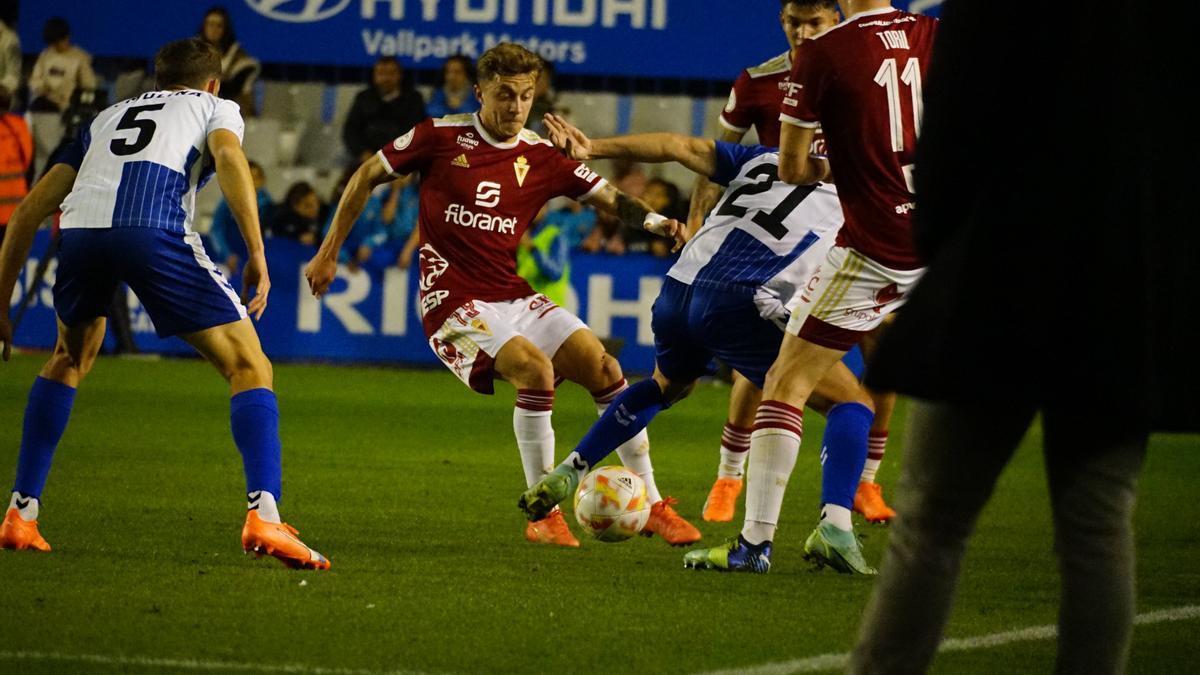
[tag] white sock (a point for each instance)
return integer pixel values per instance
(735, 446)
(876, 445)
(535, 433)
(838, 516)
(774, 446)
(264, 502)
(634, 453)
(27, 507)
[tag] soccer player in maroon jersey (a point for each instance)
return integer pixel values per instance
(483, 179)
(860, 82)
(754, 101)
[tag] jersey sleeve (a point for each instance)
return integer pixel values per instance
(72, 153)
(736, 115)
(575, 179)
(409, 152)
(802, 99)
(731, 157)
(226, 115)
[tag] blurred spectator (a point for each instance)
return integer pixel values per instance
(630, 178)
(543, 259)
(228, 247)
(545, 98)
(387, 220)
(61, 70)
(664, 197)
(133, 79)
(239, 70)
(382, 112)
(575, 220)
(16, 156)
(455, 94)
(298, 217)
(10, 58)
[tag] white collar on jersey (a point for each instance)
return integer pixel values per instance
(871, 12)
(488, 137)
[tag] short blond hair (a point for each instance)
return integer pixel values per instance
(508, 59)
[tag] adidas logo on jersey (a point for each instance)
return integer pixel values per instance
(461, 160)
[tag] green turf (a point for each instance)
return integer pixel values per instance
(408, 482)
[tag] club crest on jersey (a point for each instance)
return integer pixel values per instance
(461, 160)
(432, 266)
(405, 140)
(521, 167)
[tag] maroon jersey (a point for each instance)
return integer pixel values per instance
(754, 99)
(478, 196)
(861, 80)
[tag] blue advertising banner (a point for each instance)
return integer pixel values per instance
(701, 39)
(370, 314)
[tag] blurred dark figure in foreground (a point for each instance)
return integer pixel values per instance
(1050, 213)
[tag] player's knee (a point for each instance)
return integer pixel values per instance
(250, 366)
(64, 366)
(529, 369)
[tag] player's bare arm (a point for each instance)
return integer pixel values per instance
(41, 202)
(796, 165)
(633, 212)
(233, 175)
(322, 269)
(697, 154)
(705, 193)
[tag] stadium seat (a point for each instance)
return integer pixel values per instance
(661, 113)
(295, 104)
(594, 113)
(321, 146)
(343, 98)
(261, 141)
(206, 204)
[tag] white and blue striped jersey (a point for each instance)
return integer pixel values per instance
(141, 161)
(764, 237)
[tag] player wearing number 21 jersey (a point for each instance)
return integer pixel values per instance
(861, 83)
(484, 177)
(726, 297)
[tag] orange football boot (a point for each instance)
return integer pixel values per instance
(280, 541)
(20, 534)
(670, 525)
(868, 500)
(722, 500)
(551, 530)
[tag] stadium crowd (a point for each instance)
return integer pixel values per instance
(46, 100)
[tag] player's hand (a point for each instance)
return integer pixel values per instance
(669, 228)
(571, 141)
(320, 273)
(255, 277)
(6, 333)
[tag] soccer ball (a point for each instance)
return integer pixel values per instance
(611, 503)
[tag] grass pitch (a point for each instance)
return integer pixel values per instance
(408, 482)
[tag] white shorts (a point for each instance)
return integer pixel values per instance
(848, 295)
(470, 339)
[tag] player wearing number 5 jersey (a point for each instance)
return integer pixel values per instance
(860, 81)
(484, 178)
(127, 187)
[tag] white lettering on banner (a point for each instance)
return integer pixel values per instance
(395, 8)
(640, 14)
(602, 307)
(341, 305)
(395, 302)
(45, 294)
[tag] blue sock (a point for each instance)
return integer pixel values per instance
(254, 418)
(628, 414)
(46, 416)
(844, 452)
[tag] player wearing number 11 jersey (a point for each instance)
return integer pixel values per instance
(861, 83)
